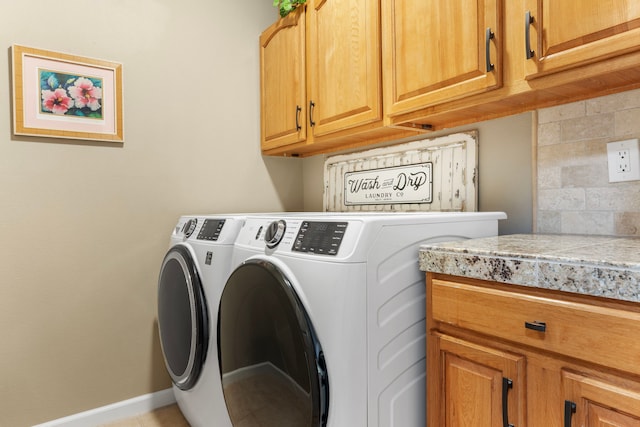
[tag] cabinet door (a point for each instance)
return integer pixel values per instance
(282, 82)
(591, 402)
(482, 386)
(436, 51)
(566, 34)
(343, 64)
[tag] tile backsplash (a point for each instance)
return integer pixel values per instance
(574, 195)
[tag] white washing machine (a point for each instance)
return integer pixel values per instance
(322, 322)
(192, 276)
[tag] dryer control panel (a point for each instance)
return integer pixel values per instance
(308, 236)
(316, 235)
(320, 237)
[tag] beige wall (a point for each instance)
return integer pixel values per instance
(504, 163)
(84, 225)
(574, 193)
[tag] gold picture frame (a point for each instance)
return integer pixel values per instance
(58, 95)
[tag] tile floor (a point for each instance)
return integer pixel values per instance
(169, 416)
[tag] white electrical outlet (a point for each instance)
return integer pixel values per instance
(624, 160)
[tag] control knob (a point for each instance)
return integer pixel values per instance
(274, 233)
(189, 227)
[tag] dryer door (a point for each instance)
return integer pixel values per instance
(272, 366)
(182, 317)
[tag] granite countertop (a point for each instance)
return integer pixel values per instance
(592, 265)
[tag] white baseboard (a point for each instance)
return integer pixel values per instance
(116, 411)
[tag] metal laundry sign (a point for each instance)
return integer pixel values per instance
(389, 186)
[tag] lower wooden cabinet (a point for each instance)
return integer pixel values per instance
(481, 386)
(593, 402)
(481, 376)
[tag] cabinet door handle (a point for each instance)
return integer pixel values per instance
(311, 105)
(298, 110)
(536, 326)
(487, 46)
(507, 384)
(569, 410)
(528, 20)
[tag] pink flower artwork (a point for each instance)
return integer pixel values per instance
(66, 96)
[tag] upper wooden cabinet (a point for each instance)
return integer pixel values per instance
(338, 74)
(321, 79)
(565, 34)
(283, 109)
(439, 50)
(344, 76)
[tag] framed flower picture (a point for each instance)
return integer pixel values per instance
(59, 95)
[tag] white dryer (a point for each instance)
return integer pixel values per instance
(192, 275)
(322, 322)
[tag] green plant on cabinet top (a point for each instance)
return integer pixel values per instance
(286, 6)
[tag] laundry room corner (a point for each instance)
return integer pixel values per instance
(290, 192)
(313, 182)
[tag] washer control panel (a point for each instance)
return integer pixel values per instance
(319, 237)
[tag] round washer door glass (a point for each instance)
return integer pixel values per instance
(272, 366)
(182, 317)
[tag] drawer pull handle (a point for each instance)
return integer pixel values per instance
(536, 326)
(507, 384)
(569, 410)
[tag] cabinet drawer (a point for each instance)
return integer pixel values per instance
(602, 335)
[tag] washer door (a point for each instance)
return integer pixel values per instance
(272, 366)
(182, 317)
